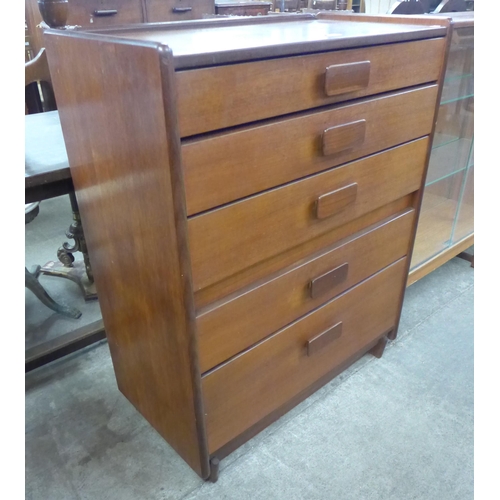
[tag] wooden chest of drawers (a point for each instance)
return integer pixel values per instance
(250, 208)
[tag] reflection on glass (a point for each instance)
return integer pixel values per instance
(437, 218)
(464, 225)
(447, 214)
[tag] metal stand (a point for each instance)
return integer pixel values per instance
(31, 283)
(80, 272)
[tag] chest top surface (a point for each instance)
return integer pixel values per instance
(218, 41)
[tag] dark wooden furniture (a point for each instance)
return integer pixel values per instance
(242, 7)
(446, 224)
(264, 197)
(104, 13)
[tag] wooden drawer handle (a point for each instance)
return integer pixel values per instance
(181, 10)
(323, 339)
(342, 137)
(344, 78)
(104, 13)
(324, 283)
(331, 203)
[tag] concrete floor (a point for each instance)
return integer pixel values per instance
(399, 427)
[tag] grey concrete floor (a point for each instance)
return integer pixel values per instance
(399, 427)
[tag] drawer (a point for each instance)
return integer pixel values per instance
(243, 391)
(265, 225)
(231, 327)
(97, 13)
(177, 10)
(243, 9)
(261, 272)
(225, 96)
(225, 167)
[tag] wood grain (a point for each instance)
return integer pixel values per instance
(323, 284)
(208, 100)
(345, 136)
(143, 283)
(330, 204)
(239, 321)
(265, 270)
(177, 10)
(284, 150)
(37, 70)
(348, 77)
(243, 391)
(265, 225)
(325, 338)
(83, 12)
(253, 430)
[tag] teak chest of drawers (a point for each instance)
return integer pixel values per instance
(249, 189)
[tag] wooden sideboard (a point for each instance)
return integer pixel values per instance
(261, 197)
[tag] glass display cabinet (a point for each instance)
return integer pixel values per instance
(446, 224)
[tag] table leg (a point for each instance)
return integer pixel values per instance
(81, 271)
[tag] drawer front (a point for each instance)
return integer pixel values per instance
(265, 225)
(235, 325)
(246, 9)
(246, 389)
(225, 167)
(177, 10)
(97, 13)
(224, 96)
(262, 272)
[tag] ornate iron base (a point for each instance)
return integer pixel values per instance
(31, 283)
(80, 271)
(77, 273)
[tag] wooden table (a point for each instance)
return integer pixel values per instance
(46, 167)
(47, 175)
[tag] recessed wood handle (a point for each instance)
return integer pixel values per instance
(105, 12)
(344, 78)
(323, 339)
(342, 137)
(331, 203)
(181, 10)
(324, 283)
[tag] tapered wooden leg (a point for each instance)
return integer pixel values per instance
(214, 469)
(379, 347)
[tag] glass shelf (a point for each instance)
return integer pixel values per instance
(456, 99)
(448, 157)
(452, 78)
(445, 177)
